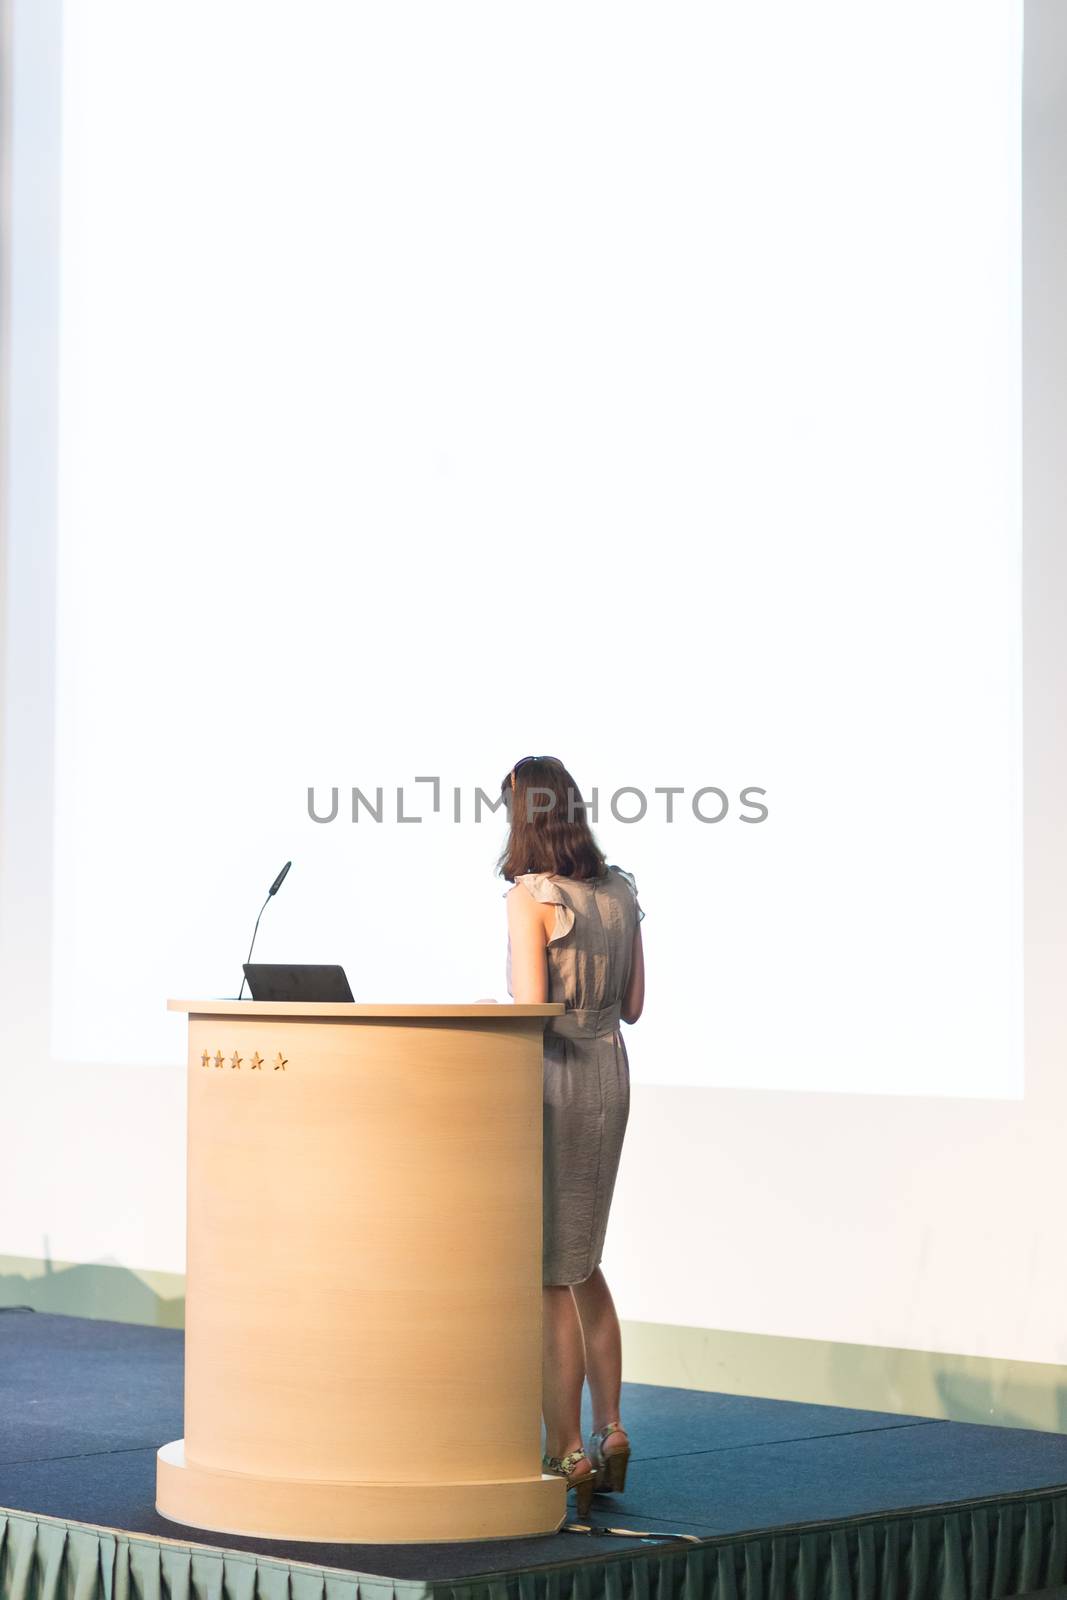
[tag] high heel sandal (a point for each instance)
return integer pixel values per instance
(583, 1485)
(609, 1466)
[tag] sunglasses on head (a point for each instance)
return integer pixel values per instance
(510, 779)
(527, 759)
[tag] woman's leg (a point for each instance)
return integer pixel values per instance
(563, 1372)
(602, 1342)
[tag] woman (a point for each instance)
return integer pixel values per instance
(574, 936)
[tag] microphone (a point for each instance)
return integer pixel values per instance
(271, 892)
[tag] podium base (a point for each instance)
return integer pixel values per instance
(354, 1513)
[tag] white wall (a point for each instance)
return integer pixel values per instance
(861, 1219)
(879, 1219)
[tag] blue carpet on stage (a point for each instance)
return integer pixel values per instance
(785, 1499)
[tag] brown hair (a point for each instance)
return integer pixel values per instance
(549, 831)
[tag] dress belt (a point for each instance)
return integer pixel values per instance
(584, 1024)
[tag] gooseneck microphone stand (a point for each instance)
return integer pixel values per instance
(271, 892)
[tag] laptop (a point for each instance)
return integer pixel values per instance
(268, 981)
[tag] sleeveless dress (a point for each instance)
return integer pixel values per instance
(586, 1072)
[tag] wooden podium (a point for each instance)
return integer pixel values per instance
(363, 1313)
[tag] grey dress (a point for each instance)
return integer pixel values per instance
(587, 1074)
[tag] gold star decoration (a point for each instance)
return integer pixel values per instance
(235, 1060)
(205, 1059)
(219, 1058)
(257, 1062)
(279, 1062)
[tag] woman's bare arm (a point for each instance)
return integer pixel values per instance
(633, 1001)
(529, 941)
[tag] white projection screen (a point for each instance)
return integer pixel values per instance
(653, 403)
(639, 384)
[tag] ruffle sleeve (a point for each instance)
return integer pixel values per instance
(629, 877)
(541, 886)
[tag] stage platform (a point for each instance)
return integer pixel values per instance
(729, 1498)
